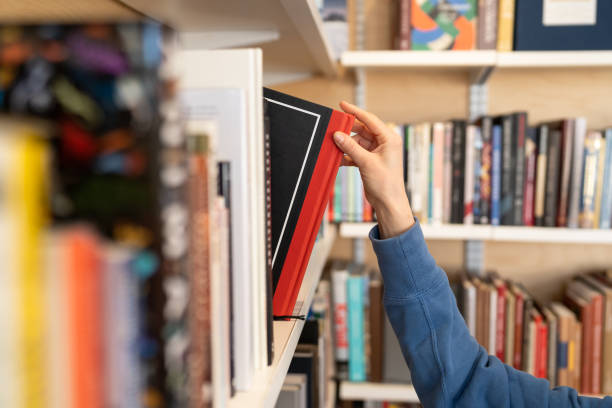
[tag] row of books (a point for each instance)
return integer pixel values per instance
(178, 154)
(569, 343)
(498, 171)
(504, 25)
(366, 349)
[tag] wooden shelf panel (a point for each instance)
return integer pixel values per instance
(490, 233)
(268, 382)
(364, 391)
(64, 11)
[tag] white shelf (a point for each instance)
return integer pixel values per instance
(290, 32)
(475, 59)
(364, 391)
(269, 381)
(490, 233)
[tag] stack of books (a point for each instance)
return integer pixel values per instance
(566, 342)
(498, 171)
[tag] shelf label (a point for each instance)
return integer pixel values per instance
(569, 12)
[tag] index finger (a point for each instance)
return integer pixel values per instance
(375, 125)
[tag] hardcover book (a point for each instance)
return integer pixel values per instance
(487, 24)
(552, 178)
(305, 161)
(443, 24)
(519, 128)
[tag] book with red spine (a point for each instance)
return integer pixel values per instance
(542, 348)
(518, 327)
(500, 328)
(305, 161)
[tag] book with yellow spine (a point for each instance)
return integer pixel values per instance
(505, 33)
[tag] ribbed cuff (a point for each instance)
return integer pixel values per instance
(406, 265)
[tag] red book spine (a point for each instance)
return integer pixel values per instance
(597, 306)
(518, 332)
(541, 348)
(500, 328)
(310, 217)
(586, 363)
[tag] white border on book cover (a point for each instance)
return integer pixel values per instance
(301, 170)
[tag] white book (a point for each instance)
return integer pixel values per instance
(470, 306)
(241, 143)
(11, 389)
(492, 321)
(438, 173)
(468, 192)
(424, 136)
(339, 278)
(580, 129)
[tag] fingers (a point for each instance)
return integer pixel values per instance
(347, 161)
(348, 145)
(375, 125)
(364, 142)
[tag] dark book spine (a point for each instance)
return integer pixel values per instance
(485, 170)
(540, 190)
(552, 178)
(403, 26)
(268, 220)
(519, 128)
(567, 149)
(531, 144)
(528, 306)
(508, 172)
(376, 331)
(487, 24)
(458, 158)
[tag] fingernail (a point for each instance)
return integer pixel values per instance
(339, 137)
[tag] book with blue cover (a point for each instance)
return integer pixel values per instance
(355, 303)
(606, 195)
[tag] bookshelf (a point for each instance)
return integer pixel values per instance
(357, 391)
(494, 233)
(268, 382)
(289, 32)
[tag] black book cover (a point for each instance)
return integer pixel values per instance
(508, 176)
(541, 176)
(519, 127)
(486, 129)
(268, 219)
(458, 180)
(552, 178)
(304, 163)
(305, 362)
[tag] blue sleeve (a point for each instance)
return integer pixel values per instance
(449, 368)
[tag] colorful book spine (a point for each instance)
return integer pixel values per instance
(468, 192)
(339, 296)
(448, 173)
(505, 32)
(552, 178)
(496, 169)
(540, 189)
(458, 159)
(508, 171)
(355, 300)
(519, 127)
(487, 24)
(477, 176)
(605, 216)
(450, 26)
(438, 173)
(580, 129)
(600, 180)
(567, 144)
(485, 171)
(530, 176)
(592, 144)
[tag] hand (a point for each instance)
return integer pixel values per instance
(377, 151)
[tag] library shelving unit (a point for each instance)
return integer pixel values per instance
(364, 391)
(494, 233)
(268, 383)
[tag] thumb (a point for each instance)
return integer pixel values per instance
(351, 147)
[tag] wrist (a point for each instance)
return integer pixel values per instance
(394, 217)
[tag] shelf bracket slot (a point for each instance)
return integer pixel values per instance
(473, 256)
(481, 75)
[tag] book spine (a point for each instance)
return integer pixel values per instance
(358, 197)
(500, 321)
(543, 350)
(430, 183)
(448, 173)
(552, 178)
(540, 190)
(476, 175)
(563, 351)
(496, 170)
(586, 369)
(577, 172)
(458, 159)
(425, 169)
(518, 332)
(438, 173)
(605, 217)
(405, 135)
(411, 158)
(597, 305)
(509, 332)
(505, 33)
(339, 280)
(354, 289)
(350, 194)
(600, 178)
(587, 203)
(487, 24)
(268, 220)
(376, 331)
(551, 341)
(508, 171)
(530, 177)
(567, 144)
(338, 192)
(468, 177)
(485, 170)
(577, 355)
(519, 128)
(403, 32)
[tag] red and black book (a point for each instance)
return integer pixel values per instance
(305, 161)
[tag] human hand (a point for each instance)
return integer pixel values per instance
(377, 151)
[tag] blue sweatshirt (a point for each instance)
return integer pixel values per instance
(449, 368)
